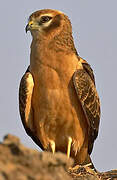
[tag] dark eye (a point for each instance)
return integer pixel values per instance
(45, 19)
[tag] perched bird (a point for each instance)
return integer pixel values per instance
(58, 102)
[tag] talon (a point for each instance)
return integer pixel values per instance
(52, 145)
(69, 146)
(86, 165)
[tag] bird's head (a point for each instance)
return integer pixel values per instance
(48, 22)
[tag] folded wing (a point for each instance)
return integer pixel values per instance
(25, 105)
(84, 83)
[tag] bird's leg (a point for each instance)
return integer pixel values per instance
(69, 146)
(52, 145)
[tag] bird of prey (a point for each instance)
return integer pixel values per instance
(58, 101)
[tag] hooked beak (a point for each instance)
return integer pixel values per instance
(29, 26)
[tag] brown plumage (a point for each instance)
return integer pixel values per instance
(58, 101)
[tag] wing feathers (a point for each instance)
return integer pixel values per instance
(25, 96)
(25, 106)
(85, 87)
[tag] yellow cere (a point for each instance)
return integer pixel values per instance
(30, 22)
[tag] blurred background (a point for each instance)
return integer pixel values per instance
(95, 34)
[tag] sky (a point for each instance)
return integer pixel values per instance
(95, 34)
